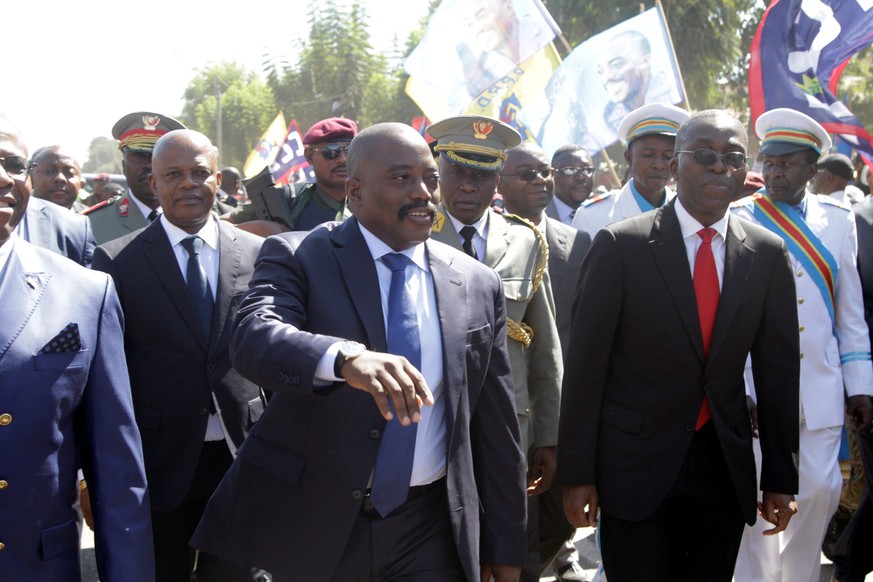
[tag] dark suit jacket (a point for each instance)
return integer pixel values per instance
(174, 370)
(291, 498)
(53, 227)
(864, 221)
(567, 249)
(636, 373)
(61, 411)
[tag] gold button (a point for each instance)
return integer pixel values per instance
(5, 419)
(800, 301)
(3, 484)
(801, 355)
(800, 273)
(801, 328)
(2, 546)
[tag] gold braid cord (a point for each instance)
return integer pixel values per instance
(522, 332)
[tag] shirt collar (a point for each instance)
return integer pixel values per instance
(378, 249)
(689, 225)
(209, 232)
(562, 208)
(479, 225)
(145, 210)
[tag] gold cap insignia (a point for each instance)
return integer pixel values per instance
(481, 129)
(150, 122)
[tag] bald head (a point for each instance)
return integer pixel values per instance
(56, 175)
(185, 178)
(366, 144)
(526, 181)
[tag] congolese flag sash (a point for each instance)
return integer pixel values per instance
(785, 221)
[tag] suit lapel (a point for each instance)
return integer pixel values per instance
(160, 255)
(451, 299)
(229, 260)
(21, 290)
(737, 263)
(362, 283)
(668, 249)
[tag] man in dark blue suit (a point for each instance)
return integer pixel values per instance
(193, 409)
(302, 498)
(65, 401)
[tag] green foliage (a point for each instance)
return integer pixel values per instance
(247, 108)
(103, 156)
(857, 82)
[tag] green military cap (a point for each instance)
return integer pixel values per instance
(474, 141)
(141, 130)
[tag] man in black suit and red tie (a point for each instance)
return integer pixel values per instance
(655, 430)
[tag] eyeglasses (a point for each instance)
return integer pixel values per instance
(707, 157)
(52, 170)
(531, 175)
(15, 166)
(573, 170)
(332, 152)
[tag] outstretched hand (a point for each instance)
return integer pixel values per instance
(389, 378)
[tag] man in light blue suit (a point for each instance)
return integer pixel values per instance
(64, 402)
(59, 230)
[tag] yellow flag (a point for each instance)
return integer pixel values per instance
(267, 147)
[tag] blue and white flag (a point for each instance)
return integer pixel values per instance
(798, 53)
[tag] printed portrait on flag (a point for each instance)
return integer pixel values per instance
(290, 165)
(604, 79)
(471, 44)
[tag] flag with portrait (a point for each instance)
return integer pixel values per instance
(267, 147)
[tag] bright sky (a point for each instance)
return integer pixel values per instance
(80, 66)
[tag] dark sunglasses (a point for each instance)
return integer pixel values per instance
(531, 175)
(332, 152)
(15, 165)
(707, 157)
(573, 170)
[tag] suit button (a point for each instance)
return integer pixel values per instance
(800, 300)
(801, 328)
(210, 368)
(801, 355)
(5, 419)
(3, 484)
(800, 273)
(357, 494)
(2, 546)
(203, 411)
(375, 434)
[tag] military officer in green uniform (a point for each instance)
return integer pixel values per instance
(472, 150)
(136, 134)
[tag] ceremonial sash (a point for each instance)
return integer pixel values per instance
(785, 221)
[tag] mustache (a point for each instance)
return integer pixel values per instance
(411, 206)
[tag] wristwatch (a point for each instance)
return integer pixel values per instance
(347, 351)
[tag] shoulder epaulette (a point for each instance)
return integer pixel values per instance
(830, 200)
(598, 198)
(100, 205)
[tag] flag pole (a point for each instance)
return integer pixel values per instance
(673, 50)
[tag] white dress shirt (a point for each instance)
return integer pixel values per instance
(479, 238)
(689, 226)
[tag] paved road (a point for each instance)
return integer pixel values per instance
(584, 542)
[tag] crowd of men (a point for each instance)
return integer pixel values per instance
(378, 376)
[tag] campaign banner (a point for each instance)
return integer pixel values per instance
(290, 164)
(468, 46)
(798, 53)
(602, 80)
(267, 147)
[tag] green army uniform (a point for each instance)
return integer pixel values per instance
(115, 218)
(304, 206)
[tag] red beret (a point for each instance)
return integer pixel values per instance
(331, 129)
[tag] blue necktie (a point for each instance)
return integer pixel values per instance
(394, 462)
(198, 285)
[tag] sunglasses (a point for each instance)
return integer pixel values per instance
(573, 170)
(16, 166)
(707, 157)
(531, 175)
(332, 152)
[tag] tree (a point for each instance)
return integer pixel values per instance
(103, 156)
(247, 107)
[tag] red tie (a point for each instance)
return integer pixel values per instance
(707, 291)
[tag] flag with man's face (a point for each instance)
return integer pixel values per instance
(798, 53)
